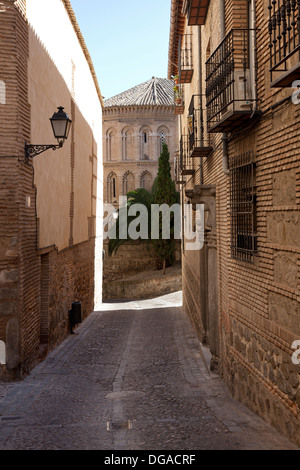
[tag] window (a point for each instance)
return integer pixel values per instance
(162, 140)
(110, 145)
(243, 207)
(145, 144)
(162, 137)
(114, 187)
(111, 187)
(127, 144)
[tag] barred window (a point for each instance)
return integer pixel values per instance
(243, 207)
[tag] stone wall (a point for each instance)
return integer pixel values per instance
(132, 258)
(147, 285)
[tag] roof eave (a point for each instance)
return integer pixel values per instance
(139, 106)
(176, 29)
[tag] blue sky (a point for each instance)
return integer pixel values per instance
(128, 40)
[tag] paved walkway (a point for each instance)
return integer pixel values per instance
(134, 377)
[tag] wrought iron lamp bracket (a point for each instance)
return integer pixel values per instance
(34, 150)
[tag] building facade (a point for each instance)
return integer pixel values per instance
(236, 62)
(135, 124)
(50, 205)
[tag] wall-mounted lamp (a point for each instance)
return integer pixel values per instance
(61, 125)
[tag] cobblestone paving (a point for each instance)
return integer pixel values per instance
(134, 377)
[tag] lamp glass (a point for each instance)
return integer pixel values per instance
(61, 124)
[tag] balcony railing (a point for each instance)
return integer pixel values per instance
(196, 11)
(186, 164)
(185, 65)
(229, 83)
(200, 142)
(284, 31)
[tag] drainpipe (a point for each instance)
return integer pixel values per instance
(200, 97)
(224, 135)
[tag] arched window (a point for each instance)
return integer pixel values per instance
(112, 190)
(146, 180)
(128, 183)
(162, 139)
(127, 144)
(110, 145)
(145, 144)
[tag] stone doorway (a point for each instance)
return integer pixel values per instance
(208, 295)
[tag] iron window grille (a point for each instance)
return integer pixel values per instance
(228, 82)
(284, 31)
(243, 207)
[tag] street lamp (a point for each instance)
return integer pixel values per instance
(61, 125)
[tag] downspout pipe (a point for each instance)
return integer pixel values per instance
(200, 97)
(224, 135)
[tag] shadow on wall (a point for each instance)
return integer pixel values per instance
(62, 191)
(68, 269)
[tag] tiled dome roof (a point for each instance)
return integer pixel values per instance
(155, 92)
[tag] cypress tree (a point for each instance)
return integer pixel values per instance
(165, 193)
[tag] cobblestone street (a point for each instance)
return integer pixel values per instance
(133, 377)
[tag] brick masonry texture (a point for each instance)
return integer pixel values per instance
(258, 304)
(134, 120)
(38, 284)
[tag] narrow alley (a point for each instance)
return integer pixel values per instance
(133, 377)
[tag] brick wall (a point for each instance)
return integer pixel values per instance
(236, 14)
(19, 264)
(264, 298)
(258, 304)
(37, 283)
(135, 118)
(68, 276)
